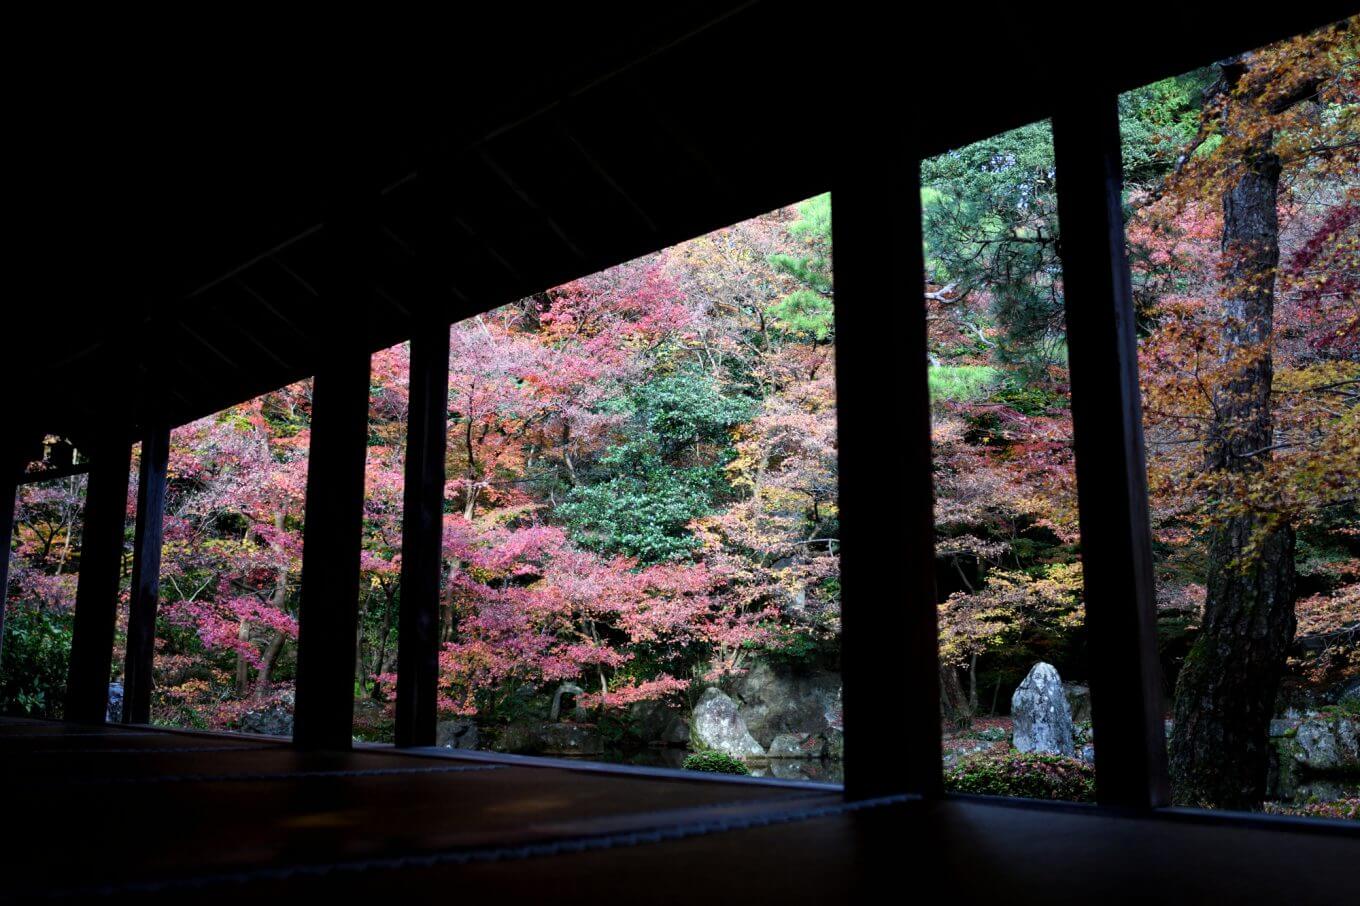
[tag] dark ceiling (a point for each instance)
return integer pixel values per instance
(175, 180)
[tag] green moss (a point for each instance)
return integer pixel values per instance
(712, 762)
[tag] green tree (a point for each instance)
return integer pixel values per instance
(809, 310)
(990, 216)
(646, 490)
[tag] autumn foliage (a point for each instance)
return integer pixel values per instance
(641, 491)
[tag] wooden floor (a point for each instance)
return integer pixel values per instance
(129, 813)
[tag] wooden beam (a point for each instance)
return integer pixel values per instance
(101, 562)
(422, 538)
(146, 577)
(890, 639)
(1107, 419)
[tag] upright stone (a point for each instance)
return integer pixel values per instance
(717, 725)
(114, 714)
(1041, 718)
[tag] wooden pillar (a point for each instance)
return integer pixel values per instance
(1116, 542)
(422, 538)
(890, 639)
(146, 577)
(332, 534)
(101, 561)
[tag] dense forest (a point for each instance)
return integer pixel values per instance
(642, 474)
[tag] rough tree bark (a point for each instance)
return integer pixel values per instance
(381, 657)
(954, 702)
(1225, 694)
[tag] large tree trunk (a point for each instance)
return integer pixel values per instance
(389, 608)
(1225, 695)
(954, 702)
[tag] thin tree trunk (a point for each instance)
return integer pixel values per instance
(242, 666)
(1225, 694)
(447, 621)
(470, 506)
(267, 662)
(277, 600)
(972, 684)
(359, 672)
(571, 468)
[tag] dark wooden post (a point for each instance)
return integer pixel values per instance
(1116, 542)
(328, 610)
(146, 577)
(101, 562)
(890, 638)
(329, 607)
(422, 538)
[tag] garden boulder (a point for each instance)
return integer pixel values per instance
(653, 723)
(1328, 744)
(272, 719)
(456, 734)
(779, 698)
(1079, 701)
(797, 745)
(1040, 715)
(676, 733)
(114, 714)
(717, 725)
(551, 738)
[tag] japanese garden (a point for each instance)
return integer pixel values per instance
(641, 534)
